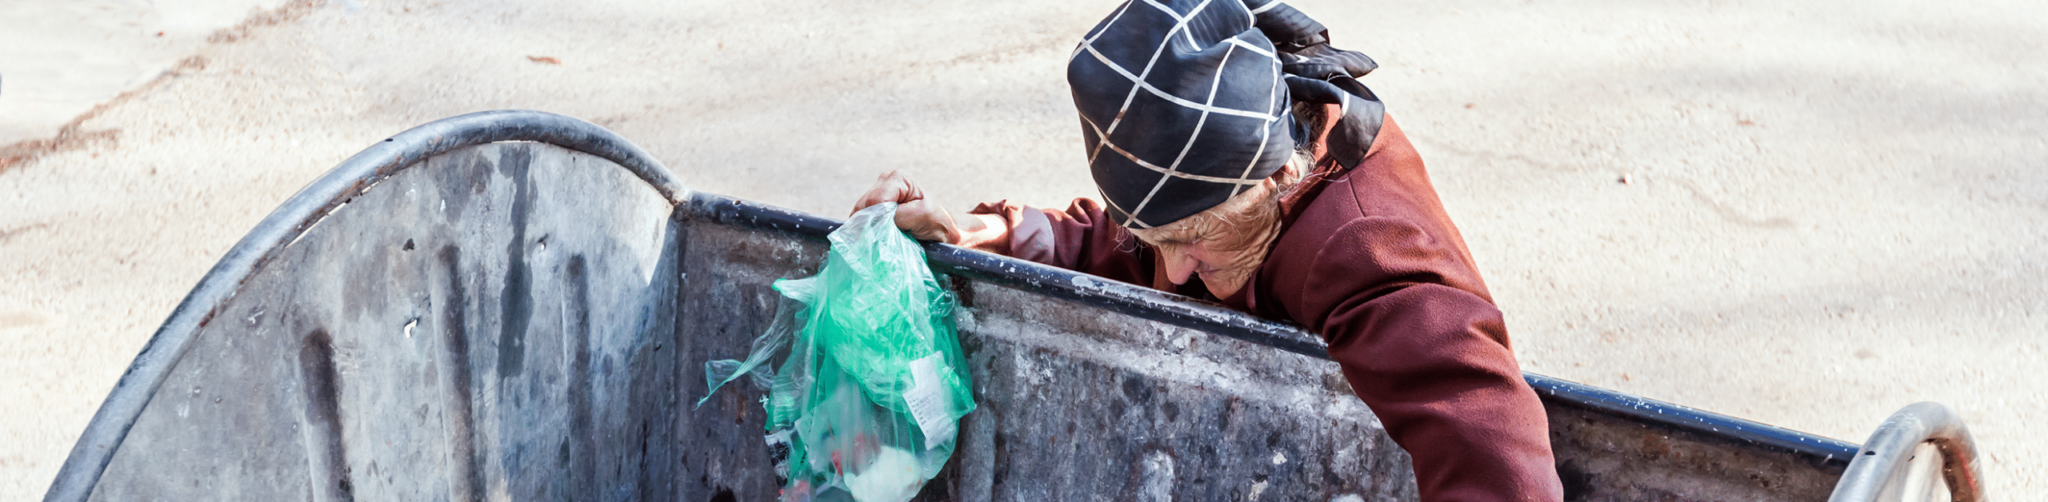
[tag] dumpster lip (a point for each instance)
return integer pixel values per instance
(132, 393)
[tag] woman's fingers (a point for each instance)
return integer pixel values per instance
(893, 186)
(914, 214)
(927, 221)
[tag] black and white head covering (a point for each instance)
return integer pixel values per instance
(1185, 103)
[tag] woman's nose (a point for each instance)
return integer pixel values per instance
(1179, 265)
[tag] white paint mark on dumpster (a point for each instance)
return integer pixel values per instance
(1158, 485)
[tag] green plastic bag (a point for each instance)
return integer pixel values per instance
(869, 398)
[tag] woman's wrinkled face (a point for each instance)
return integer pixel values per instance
(1222, 245)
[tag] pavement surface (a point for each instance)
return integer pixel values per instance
(1806, 214)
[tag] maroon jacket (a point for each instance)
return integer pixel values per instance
(1367, 258)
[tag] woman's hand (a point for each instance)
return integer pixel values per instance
(921, 217)
(926, 220)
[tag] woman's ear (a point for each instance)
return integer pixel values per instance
(1288, 173)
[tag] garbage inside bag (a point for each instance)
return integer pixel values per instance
(868, 400)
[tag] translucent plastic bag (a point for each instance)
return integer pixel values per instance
(869, 399)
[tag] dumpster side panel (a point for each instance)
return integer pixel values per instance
(228, 424)
(1080, 403)
(488, 325)
(1603, 458)
(726, 302)
(1076, 403)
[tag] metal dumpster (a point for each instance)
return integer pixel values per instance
(518, 306)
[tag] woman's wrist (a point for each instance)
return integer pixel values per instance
(984, 232)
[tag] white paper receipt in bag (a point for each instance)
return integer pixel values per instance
(928, 401)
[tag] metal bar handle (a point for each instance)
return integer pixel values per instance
(1881, 468)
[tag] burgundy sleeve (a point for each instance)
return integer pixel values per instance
(1433, 362)
(1082, 239)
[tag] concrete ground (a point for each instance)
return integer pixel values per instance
(1803, 214)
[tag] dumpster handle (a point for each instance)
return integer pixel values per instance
(1883, 461)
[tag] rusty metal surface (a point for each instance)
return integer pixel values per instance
(1604, 458)
(1921, 452)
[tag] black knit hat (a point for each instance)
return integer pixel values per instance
(1185, 103)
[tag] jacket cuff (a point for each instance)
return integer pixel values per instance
(1031, 233)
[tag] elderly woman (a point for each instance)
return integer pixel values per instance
(1239, 161)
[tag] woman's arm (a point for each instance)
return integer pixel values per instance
(927, 220)
(1082, 238)
(1433, 361)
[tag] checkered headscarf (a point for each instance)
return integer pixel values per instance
(1185, 103)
